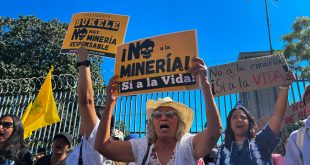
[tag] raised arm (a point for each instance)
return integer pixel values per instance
(204, 141)
(112, 149)
(276, 119)
(86, 95)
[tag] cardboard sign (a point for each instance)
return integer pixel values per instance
(99, 33)
(157, 64)
(247, 75)
(294, 112)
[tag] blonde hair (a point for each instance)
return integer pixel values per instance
(151, 134)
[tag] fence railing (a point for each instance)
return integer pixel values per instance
(15, 95)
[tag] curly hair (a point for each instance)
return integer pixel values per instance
(15, 142)
(151, 134)
(229, 134)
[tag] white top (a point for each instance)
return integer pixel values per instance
(184, 150)
(293, 155)
(90, 155)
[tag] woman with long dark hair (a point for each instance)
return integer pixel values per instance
(243, 145)
(13, 149)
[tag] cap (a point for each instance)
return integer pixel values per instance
(65, 135)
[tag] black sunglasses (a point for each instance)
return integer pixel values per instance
(6, 124)
(168, 113)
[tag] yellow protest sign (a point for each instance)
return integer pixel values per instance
(157, 64)
(99, 33)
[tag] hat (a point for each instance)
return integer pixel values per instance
(183, 111)
(307, 91)
(65, 135)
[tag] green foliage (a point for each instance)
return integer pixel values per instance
(297, 45)
(120, 125)
(29, 46)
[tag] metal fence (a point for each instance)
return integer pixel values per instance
(15, 95)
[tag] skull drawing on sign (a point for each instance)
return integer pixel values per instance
(147, 48)
(82, 33)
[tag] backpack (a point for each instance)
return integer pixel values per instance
(300, 140)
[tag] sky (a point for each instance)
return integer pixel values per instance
(224, 28)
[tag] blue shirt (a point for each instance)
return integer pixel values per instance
(253, 152)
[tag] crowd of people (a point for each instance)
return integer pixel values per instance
(168, 141)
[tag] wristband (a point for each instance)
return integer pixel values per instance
(283, 87)
(85, 63)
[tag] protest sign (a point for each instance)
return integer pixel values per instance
(157, 64)
(294, 113)
(247, 75)
(99, 33)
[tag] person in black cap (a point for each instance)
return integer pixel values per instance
(61, 145)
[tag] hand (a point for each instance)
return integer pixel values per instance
(82, 54)
(111, 88)
(290, 79)
(200, 68)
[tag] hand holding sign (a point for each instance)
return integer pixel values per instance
(290, 79)
(82, 54)
(200, 69)
(111, 89)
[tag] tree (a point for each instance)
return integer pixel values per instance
(297, 46)
(29, 46)
(120, 125)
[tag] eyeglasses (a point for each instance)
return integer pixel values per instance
(6, 124)
(168, 114)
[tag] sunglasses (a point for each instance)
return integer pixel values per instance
(159, 114)
(6, 124)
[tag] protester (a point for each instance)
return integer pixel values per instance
(242, 146)
(60, 147)
(40, 154)
(167, 140)
(89, 116)
(278, 158)
(13, 148)
(297, 149)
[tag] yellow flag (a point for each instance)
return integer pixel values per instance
(43, 111)
(25, 114)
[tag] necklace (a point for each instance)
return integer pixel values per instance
(240, 145)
